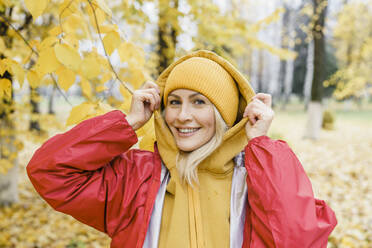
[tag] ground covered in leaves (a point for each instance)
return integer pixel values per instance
(338, 164)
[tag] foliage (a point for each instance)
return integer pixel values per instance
(328, 121)
(353, 42)
(69, 44)
(231, 33)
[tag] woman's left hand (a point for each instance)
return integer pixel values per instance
(260, 115)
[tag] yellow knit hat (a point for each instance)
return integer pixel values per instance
(208, 78)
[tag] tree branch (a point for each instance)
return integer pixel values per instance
(20, 35)
(60, 14)
(37, 54)
(107, 56)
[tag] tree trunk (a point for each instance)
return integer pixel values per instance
(260, 83)
(51, 101)
(8, 180)
(315, 112)
(167, 33)
(300, 63)
(284, 44)
(35, 110)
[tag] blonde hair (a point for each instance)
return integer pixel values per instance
(187, 163)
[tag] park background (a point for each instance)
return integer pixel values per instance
(63, 61)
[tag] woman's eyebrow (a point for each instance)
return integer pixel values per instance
(173, 95)
(190, 96)
(195, 94)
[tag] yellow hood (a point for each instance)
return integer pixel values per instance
(190, 215)
(234, 139)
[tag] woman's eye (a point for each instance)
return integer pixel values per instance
(199, 101)
(174, 102)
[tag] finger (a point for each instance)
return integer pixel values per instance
(149, 84)
(265, 98)
(254, 115)
(147, 98)
(249, 112)
(156, 96)
(255, 104)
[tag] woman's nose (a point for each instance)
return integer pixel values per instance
(184, 114)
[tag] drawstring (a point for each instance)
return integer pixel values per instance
(195, 219)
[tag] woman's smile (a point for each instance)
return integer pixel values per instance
(186, 132)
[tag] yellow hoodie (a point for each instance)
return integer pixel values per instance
(199, 216)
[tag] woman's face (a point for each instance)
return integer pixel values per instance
(190, 117)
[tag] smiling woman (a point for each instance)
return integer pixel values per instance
(214, 179)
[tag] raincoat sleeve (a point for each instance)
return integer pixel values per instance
(79, 172)
(283, 210)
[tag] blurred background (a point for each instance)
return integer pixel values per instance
(63, 61)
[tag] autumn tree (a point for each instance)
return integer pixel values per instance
(49, 51)
(10, 70)
(353, 52)
(168, 29)
(302, 40)
(315, 106)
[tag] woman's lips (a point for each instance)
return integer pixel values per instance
(186, 132)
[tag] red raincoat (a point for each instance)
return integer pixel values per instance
(90, 173)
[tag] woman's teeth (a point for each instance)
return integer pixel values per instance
(187, 130)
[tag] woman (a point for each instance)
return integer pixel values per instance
(214, 179)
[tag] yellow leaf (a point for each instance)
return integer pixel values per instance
(108, 28)
(86, 88)
(73, 22)
(127, 98)
(66, 78)
(14, 68)
(126, 51)
(5, 88)
(134, 76)
(111, 41)
(102, 5)
(132, 54)
(137, 78)
(48, 42)
(36, 8)
(106, 77)
(18, 71)
(2, 45)
(33, 79)
(55, 31)
(80, 113)
(2, 67)
(68, 56)
(100, 15)
(67, 7)
(5, 166)
(101, 88)
(72, 40)
(102, 108)
(47, 62)
(48, 80)
(90, 68)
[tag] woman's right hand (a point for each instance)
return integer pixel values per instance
(144, 102)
